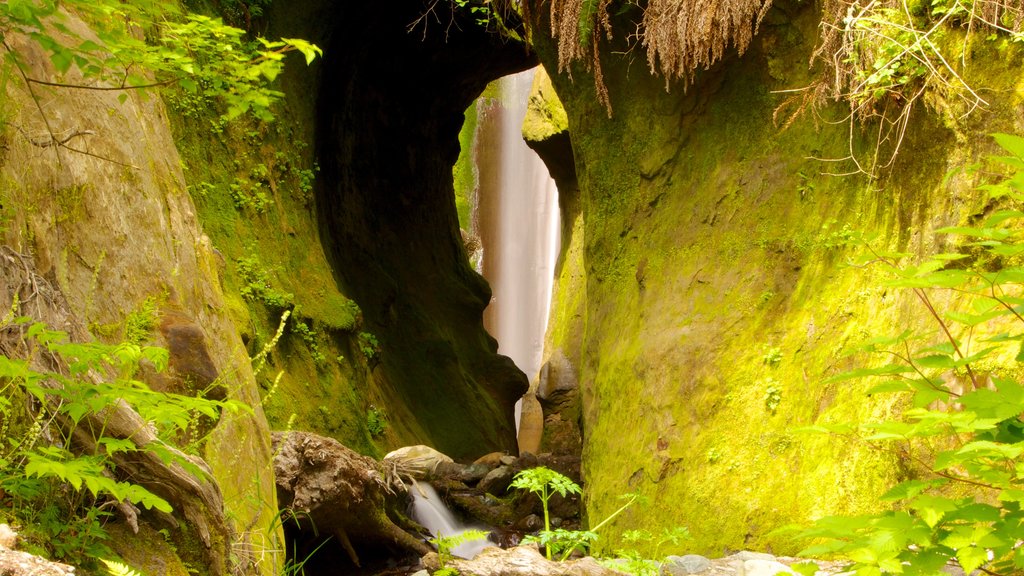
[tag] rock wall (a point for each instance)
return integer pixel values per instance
(704, 299)
(391, 105)
(113, 228)
(343, 208)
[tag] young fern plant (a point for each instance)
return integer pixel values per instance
(446, 546)
(545, 483)
(967, 505)
(85, 386)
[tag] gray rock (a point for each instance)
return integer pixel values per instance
(496, 481)
(526, 561)
(421, 573)
(474, 473)
(748, 555)
(763, 567)
(682, 565)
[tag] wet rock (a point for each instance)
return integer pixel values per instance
(531, 424)
(683, 565)
(530, 523)
(493, 459)
(507, 460)
(418, 461)
(527, 460)
(496, 481)
(473, 473)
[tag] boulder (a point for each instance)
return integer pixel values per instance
(684, 565)
(493, 459)
(531, 424)
(526, 561)
(420, 462)
(496, 481)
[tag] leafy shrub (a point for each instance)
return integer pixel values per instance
(59, 494)
(963, 427)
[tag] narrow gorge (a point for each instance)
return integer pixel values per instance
(273, 270)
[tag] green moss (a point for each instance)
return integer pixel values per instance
(712, 236)
(464, 171)
(272, 259)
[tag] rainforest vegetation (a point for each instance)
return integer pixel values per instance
(242, 261)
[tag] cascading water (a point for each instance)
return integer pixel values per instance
(431, 512)
(518, 224)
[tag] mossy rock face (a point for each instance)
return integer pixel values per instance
(705, 286)
(385, 345)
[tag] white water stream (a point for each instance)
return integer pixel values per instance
(518, 223)
(431, 512)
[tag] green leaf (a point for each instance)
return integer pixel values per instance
(911, 488)
(971, 558)
(932, 509)
(885, 370)
(1012, 144)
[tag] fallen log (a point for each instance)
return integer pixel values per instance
(327, 489)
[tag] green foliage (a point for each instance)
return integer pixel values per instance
(369, 345)
(672, 536)
(141, 322)
(256, 284)
(376, 422)
(202, 55)
(772, 395)
(772, 357)
(57, 493)
(562, 542)
(446, 544)
(119, 569)
(309, 336)
(545, 483)
(250, 195)
(481, 12)
(963, 427)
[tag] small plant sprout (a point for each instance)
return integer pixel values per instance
(545, 483)
(447, 544)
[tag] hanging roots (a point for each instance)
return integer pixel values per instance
(680, 36)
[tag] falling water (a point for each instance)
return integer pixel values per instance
(518, 224)
(431, 512)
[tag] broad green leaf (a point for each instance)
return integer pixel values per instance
(931, 509)
(988, 233)
(911, 488)
(1012, 144)
(890, 386)
(971, 558)
(885, 370)
(805, 568)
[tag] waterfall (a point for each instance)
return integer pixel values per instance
(518, 224)
(431, 512)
